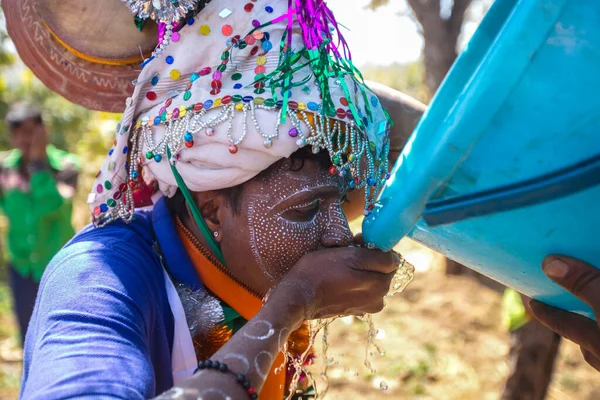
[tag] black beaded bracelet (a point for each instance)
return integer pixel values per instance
(222, 367)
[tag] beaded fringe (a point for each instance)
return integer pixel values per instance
(345, 143)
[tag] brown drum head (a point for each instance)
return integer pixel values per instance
(88, 51)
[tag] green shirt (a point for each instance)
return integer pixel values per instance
(39, 217)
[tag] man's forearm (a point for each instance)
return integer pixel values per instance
(251, 352)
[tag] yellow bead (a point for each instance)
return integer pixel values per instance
(301, 106)
(175, 74)
(138, 124)
(204, 30)
(182, 111)
(217, 102)
(261, 60)
(239, 107)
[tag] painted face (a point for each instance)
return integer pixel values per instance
(294, 213)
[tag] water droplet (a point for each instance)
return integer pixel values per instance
(383, 385)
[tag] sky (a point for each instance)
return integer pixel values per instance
(387, 35)
(379, 37)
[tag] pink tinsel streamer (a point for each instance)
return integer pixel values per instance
(315, 19)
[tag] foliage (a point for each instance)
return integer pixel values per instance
(405, 78)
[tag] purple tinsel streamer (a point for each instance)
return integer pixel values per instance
(315, 19)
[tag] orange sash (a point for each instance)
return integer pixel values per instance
(214, 276)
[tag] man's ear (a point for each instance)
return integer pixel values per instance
(211, 206)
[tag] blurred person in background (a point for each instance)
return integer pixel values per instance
(37, 183)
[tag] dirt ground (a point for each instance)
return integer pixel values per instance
(443, 339)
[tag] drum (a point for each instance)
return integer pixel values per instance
(504, 167)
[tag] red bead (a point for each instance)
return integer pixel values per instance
(198, 106)
(216, 84)
(332, 170)
(371, 207)
(227, 30)
(341, 113)
(251, 391)
(123, 187)
(189, 144)
(132, 184)
(215, 92)
(151, 96)
(249, 7)
(233, 149)
(357, 181)
(344, 101)
(205, 71)
(226, 100)
(168, 102)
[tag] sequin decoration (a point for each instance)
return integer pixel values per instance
(175, 74)
(204, 30)
(226, 12)
(161, 10)
(227, 30)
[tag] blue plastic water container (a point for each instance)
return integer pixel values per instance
(504, 168)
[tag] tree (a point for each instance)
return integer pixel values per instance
(440, 23)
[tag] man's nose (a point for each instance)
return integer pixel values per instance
(337, 233)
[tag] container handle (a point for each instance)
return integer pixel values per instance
(544, 188)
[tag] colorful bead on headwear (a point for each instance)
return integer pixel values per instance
(239, 87)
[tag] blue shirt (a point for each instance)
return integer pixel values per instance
(102, 326)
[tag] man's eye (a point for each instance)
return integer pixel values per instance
(303, 213)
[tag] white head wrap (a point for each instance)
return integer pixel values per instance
(210, 99)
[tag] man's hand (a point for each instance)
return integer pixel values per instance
(583, 281)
